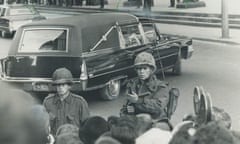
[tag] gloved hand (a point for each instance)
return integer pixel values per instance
(132, 98)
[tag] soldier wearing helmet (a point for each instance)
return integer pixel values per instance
(65, 107)
(146, 94)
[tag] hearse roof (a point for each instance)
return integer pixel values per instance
(85, 20)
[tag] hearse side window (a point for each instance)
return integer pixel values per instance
(150, 32)
(44, 40)
(132, 35)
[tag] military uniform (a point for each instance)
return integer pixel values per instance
(156, 99)
(73, 110)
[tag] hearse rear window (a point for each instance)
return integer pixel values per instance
(44, 40)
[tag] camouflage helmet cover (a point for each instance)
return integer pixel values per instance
(145, 58)
(62, 76)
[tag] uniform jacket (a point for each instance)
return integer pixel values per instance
(156, 99)
(73, 110)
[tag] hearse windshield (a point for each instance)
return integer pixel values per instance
(43, 40)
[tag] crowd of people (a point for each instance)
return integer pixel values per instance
(61, 3)
(64, 117)
(146, 4)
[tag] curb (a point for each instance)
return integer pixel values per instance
(216, 40)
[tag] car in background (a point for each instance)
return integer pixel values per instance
(99, 50)
(13, 16)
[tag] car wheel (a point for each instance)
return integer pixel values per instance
(112, 90)
(177, 69)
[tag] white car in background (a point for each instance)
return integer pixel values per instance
(15, 15)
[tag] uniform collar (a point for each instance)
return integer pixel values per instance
(58, 99)
(150, 83)
(152, 78)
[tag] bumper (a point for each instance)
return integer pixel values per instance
(187, 52)
(34, 85)
(190, 51)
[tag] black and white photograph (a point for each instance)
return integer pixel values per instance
(119, 71)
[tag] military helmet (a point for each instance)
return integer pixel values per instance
(62, 76)
(145, 58)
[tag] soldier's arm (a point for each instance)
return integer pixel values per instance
(157, 104)
(45, 105)
(84, 111)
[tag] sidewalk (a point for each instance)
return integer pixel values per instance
(201, 33)
(212, 6)
(196, 32)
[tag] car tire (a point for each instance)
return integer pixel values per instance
(112, 90)
(177, 69)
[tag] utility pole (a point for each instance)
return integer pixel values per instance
(225, 24)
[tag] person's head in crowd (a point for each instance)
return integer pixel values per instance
(39, 124)
(154, 136)
(92, 129)
(189, 117)
(14, 120)
(220, 115)
(182, 133)
(144, 123)
(213, 133)
(236, 135)
(112, 120)
(125, 130)
(67, 128)
(106, 140)
(68, 138)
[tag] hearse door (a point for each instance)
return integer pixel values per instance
(158, 48)
(108, 59)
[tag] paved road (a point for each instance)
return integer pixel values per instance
(214, 66)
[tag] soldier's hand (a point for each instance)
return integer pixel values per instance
(133, 97)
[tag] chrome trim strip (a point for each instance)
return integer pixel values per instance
(104, 38)
(25, 79)
(91, 75)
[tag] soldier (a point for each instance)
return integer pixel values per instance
(146, 94)
(64, 106)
